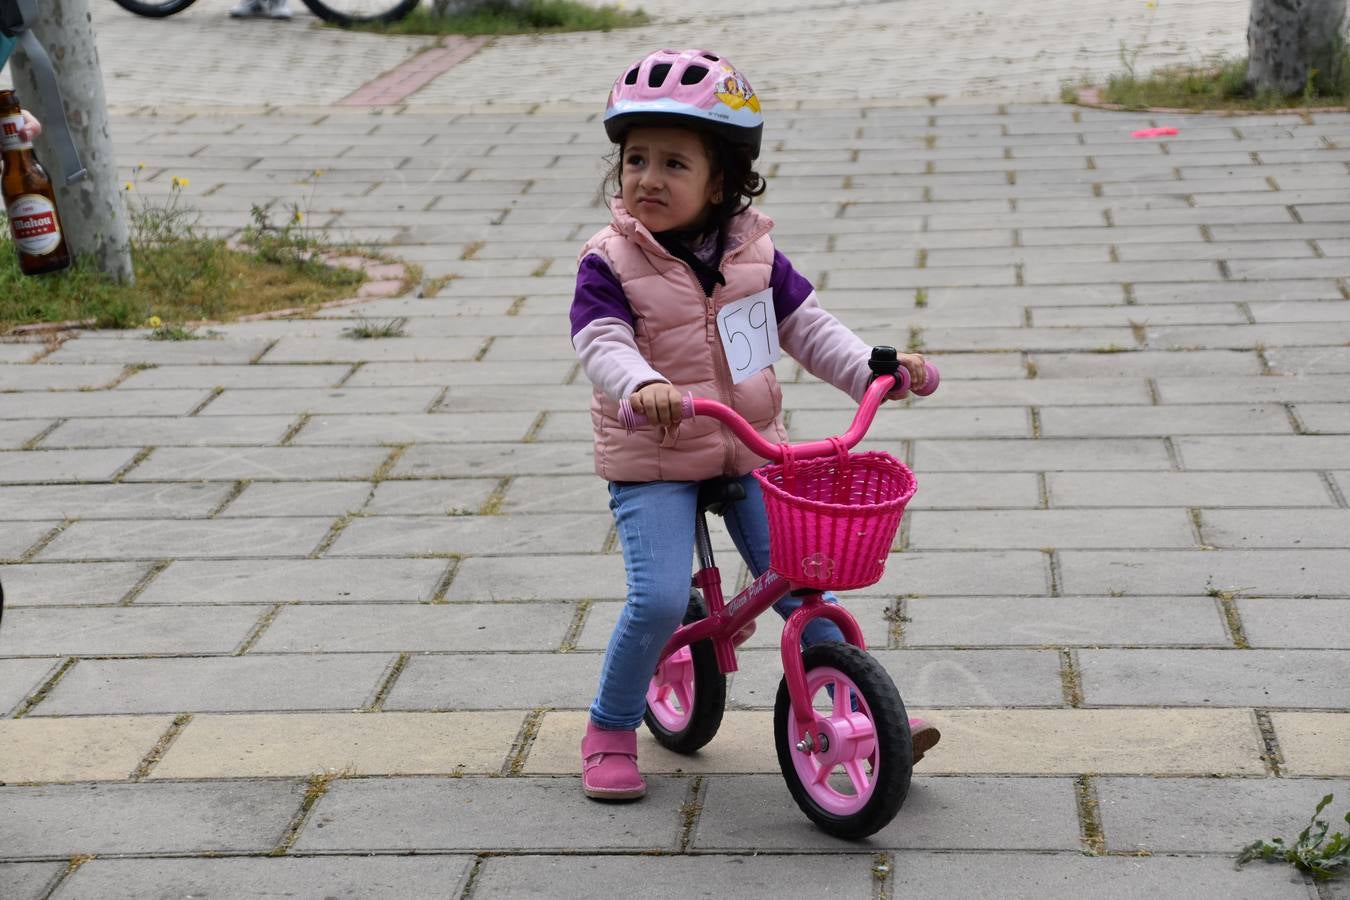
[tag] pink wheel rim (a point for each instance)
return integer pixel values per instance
(841, 777)
(670, 696)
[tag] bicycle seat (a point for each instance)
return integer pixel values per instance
(715, 493)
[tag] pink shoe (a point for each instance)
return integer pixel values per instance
(925, 736)
(609, 764)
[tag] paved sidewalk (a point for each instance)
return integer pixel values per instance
(293, 612)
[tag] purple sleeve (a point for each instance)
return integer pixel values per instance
(598, 295)
(790, 289)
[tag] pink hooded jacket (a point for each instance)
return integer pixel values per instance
(673, 337)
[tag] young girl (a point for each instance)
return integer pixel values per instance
(684, 245)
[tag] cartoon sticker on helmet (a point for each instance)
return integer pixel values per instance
(735, 91)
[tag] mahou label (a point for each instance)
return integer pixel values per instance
(32, 222)
(10, 127)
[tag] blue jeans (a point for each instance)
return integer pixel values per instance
(655, 522)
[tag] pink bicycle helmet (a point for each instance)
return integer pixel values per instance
(683, 85)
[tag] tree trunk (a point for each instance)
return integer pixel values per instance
(92, 210)
(1293, 41)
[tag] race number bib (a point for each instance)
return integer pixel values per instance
(749, 333)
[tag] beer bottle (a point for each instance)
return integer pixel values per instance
(30, 201)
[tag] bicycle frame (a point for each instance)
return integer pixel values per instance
(725, 619)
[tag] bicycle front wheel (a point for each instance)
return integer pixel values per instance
(851, 773)
(154, 10)
(355, 12)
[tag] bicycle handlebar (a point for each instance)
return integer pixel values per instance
(876, 392)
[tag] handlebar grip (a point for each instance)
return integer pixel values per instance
(632, 420)
(930, 380)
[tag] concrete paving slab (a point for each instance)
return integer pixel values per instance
(440, 373)
(222, 817)
(976, 490)
(471, 681)
(137, 350)
(905, 424)
(382, 877)
(18, 537)
(1214, 815)
(266, 499)
(1244, 452)
(61, 584)
(97, 748)
(1187, 489)
(1063, 621)
(316, 401)
(1277, 387)
(1044, 392)
(473, 535)
(259, 376)
(315, 350)
(754, 878)
(1276, 528)
(488, 578)
(1062, 528)
(1194, 677)
(410, 428)
(1104, 421)
(1295, 622)
(57, 378)
(160, 538)
(295, 581)
(1147, 364)
(497, 460)
(260, 464)
(926, 678)
(229, 684)
(1181, 572)
(407, 629)
(111, 501)
(99, 631)
(32, 466)
(1051, 454)
(21, 677)
(481, 813)
(16, 433)
(454, 497)
(130, 431)
(1061, 877)
(756, 812)
(1313, 743)
(253, 745)
(954, 572)
(29, 881)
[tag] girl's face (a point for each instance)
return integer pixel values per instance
(666, 178)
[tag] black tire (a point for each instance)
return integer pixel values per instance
(895, 750)
(710, 694)
(154, 10)
(386, 12)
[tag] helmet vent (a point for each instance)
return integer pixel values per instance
(693, 75)
(711, 57)
(631, 77)
(657, 77)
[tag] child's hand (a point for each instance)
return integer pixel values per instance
(30, 128)
(912, 362)
(659, 402)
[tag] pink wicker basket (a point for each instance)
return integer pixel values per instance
(832, 519)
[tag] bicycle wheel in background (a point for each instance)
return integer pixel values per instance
(154, 10)
(688, 693)
(351, 12)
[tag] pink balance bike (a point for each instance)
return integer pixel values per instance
(840, 727)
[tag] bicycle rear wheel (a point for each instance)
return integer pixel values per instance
(688, 693)
(154, 10)
(353, 12)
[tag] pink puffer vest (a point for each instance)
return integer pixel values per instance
(676, 330)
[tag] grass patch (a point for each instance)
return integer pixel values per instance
(376, 328)
(1221, 85)
(501, 17)
(181, 273)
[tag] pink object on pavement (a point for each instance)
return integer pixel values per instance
(1154, 132)
(609, 764)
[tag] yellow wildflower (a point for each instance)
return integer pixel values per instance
(154, 322)
(180, 182)
(128, 186)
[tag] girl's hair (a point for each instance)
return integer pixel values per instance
(730, 163)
